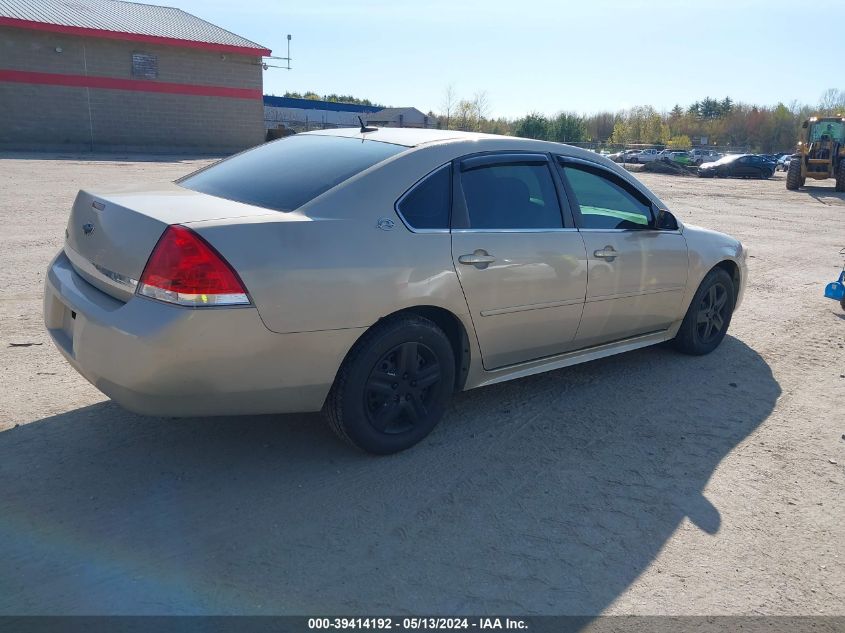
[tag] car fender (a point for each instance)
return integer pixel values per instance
(707, 249)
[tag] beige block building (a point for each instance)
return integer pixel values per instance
(105, 75)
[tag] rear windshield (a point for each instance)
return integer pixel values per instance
(285, 174)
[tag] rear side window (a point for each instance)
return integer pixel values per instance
(428, 204)
(511, 197)
(285, 174)
(605, 202)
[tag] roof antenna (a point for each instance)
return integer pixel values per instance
(364, 128)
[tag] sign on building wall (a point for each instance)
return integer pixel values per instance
(144, 66)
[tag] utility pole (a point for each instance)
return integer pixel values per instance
(287, 59)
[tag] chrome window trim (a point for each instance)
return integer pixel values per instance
(649, 228)
(412, 188)
(550, 230)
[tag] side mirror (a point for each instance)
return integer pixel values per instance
(665, 221)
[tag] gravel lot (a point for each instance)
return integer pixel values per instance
(650, 483)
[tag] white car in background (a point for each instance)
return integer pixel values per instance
(700, 156)
(625, 156)
(645, 156)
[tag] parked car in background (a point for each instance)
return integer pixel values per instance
(624, 156)
(771, 160)
(701, 156)
(738, 166)
(783, 162)
(371, 274)
(682, 158)
(645, 156)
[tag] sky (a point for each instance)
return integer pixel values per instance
(544, 56)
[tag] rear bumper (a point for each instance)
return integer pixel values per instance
(157, 359)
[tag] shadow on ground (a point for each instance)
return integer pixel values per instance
(825, 195)
(546, 495)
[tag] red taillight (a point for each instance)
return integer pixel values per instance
(183, 268)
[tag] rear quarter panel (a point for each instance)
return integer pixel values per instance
(329, 266)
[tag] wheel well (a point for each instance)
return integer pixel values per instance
(733, 270)
(454, 331)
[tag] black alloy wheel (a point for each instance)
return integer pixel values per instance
(398, 391)
(708, 316)
(394, 385)
(712, 313)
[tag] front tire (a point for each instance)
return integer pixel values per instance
(393, 387)
(793, 176)
(840, 178)
(708, 316)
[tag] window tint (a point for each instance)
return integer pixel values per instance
(605, 202)
(285, 174)
(427, 204)
(511, 197)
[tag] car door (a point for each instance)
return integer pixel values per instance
(742, 167)
(637, 274)
(521, 262)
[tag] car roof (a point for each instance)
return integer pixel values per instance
(409, 137)
(473, 141)
(465, 143)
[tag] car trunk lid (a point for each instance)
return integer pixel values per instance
(110, 236)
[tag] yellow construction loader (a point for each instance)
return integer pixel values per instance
(821, 153)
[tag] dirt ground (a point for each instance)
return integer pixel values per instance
(649, 483)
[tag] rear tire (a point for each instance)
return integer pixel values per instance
(840, 177)
(393, 387)
(793, 176)
(708, 316)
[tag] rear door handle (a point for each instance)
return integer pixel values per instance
(479, 259)
(607, 253)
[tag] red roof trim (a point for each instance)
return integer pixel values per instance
(133, 37)
(137, 85)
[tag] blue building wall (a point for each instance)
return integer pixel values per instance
(308, 114)
(312, 104)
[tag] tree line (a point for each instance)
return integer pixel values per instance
(335, 98)
(721, 122)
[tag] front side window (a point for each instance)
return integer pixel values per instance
(428, 203)
(605, 202)
(511, 196)
(283, 175)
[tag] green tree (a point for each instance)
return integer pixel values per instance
(566, 127)
(533, 125)
(621, 133)
(679, 142)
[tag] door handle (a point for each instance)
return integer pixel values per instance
(607, 253)
(479, 259)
